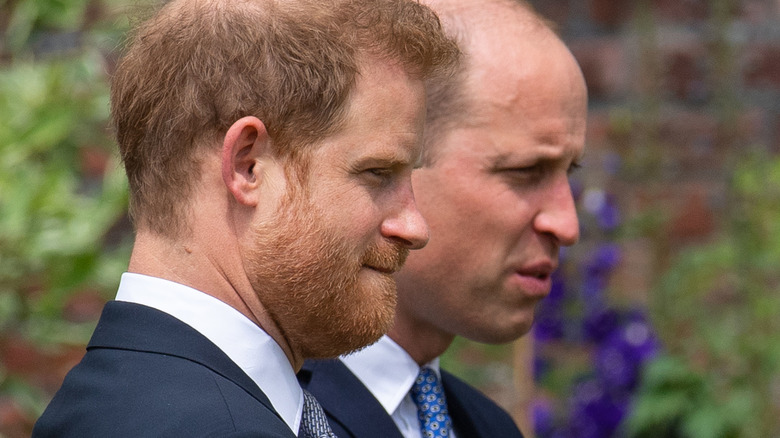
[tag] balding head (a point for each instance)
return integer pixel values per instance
(493, 35)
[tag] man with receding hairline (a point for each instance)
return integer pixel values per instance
(502, 136)
(269, 147)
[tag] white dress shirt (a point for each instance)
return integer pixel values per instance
(389, 372)
(246, 344)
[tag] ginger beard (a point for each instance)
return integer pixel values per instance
(315, 286)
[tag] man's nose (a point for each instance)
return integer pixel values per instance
(557, 215)
(407, 226)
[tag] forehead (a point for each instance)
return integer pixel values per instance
(384, 90)
(384, 116)
(505, 133)
(523, 93)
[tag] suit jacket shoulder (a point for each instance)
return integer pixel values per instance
(148, 374)
(354, 412)
(474, 414)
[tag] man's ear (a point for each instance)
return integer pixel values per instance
(246, 141)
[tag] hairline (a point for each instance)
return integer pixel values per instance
(457, 103)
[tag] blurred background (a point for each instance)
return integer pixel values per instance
(664, 320)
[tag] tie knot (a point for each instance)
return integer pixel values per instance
(428, 394)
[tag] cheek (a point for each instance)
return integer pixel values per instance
(355, 221)
(467, 230)
(447, 203)
(502, 213)
(475, 220)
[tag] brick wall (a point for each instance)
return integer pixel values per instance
(679, 90)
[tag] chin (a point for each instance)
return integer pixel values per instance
(350, 328)
(365, 343)
(340, 343)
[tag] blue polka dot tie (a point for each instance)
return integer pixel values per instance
(428, 395)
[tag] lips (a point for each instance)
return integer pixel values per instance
(535, 279)
(385, 259)
(383, 270)
(533, 286)
(540, 269)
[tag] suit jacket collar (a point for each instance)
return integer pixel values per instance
(131, 326)
(331, 382)
(457, 404)
(339, 392)
(473, 414)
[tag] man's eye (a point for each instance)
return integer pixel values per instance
(525, 176)
(380, 172)
(525, 171)
(379, 175)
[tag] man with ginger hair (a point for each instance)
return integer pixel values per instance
(269, 147)
(501, 138)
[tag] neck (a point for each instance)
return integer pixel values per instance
(191, 262)
(422, 341)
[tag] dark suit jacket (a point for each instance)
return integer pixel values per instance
(354, 412)
(147, 374)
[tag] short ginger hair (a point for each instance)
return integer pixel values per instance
(197, 66)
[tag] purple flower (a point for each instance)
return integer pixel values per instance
(595, 413)
(548, 326)
(549, 319)
(638, 333)
(558, 289)
(541, 366)
(603, 207)
(543, 417)
(605, 259)
(620, 342)
(620, 358)
(600, 324)
(608, 215)
(597, 271)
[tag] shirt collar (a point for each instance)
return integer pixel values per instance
(246, 344)
(387, 370)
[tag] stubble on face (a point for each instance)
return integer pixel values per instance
(314, 284)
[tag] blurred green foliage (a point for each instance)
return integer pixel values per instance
(52, 217)
(721, 375)
(716, 304)
(61, 187)
(62, 194)
(26, 18)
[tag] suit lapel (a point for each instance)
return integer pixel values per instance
(460, 412)
(136, 327)
(346, 400)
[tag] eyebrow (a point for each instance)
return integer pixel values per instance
(537, 156)
(509, 157)
(383, 159)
